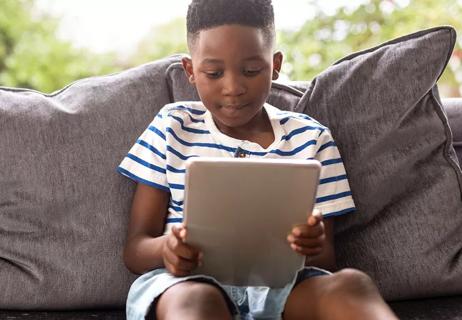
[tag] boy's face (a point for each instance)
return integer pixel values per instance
(232, 67)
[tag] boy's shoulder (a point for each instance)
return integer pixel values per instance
(183, 108)
(183, 112)
(292, 118)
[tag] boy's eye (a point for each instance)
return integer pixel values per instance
(213, 74)
(251, 72)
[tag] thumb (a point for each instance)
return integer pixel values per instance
(179, 232)
(183, 233)
(315, 217)
(176, 231)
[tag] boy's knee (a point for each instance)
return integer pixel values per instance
(197, 297)
(353, 282)
(197, 293)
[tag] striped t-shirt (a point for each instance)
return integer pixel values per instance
(186, 129)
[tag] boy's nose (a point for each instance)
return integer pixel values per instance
(233, 85)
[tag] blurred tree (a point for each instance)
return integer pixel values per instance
(162, 41)
(327, 38)
(31, 56)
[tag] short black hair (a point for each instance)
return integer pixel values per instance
(206, 14)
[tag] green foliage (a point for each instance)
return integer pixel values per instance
(327, 38)
(31, 56)
(162, 41)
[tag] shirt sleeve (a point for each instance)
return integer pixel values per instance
(146, 161)
(334, 196)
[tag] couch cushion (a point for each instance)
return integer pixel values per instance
(63, 208)
(384, 111)
(447, 308)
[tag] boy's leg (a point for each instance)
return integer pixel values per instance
(347, 294)
(192, 300)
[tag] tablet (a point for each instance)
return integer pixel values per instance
(239, 211)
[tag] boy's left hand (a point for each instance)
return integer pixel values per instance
(308, 239)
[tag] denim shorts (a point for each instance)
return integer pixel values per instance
(244, 302)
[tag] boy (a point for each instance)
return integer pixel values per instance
(232, 65)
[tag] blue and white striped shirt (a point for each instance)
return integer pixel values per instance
(186, 129)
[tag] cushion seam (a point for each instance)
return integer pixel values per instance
(448, 141)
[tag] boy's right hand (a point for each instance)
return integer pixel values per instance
(179, 258)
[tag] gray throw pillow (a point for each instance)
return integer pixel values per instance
(384, 111)
(63, 207)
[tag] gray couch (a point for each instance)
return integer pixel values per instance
(437, 308)
(64, 209)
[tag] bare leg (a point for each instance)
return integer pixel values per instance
(347, 294)
(192, 300)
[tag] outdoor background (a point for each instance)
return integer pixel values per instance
(46, 44)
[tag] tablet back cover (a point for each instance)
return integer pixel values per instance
(240, 211)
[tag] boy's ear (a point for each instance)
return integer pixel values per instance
(277, 64)
(188, 69)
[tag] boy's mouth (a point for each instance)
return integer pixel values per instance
(235, 106)
(233, 110)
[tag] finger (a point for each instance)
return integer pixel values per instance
(176, 271)
(306, 251)
(182, 265)
(182, 249)
(178, 263)
(176, 232)
(315, 217)
(307, 231)
(186, 252)
(307, 242)
(180, 232)
(183, 233)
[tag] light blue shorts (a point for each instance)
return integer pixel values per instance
(245, 302)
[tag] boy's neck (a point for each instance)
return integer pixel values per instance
(259, 130)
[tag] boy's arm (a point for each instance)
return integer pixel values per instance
(144, 244)
(326, 259)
